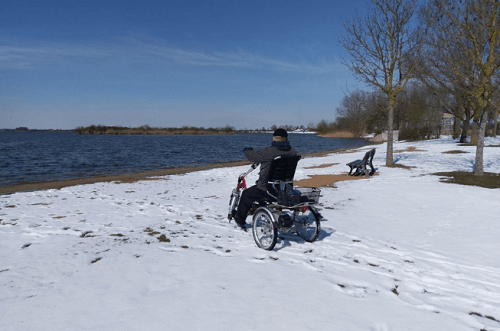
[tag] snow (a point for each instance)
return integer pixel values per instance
(398, 251)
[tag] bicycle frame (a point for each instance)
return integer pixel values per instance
(240, 187)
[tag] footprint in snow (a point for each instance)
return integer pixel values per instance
(352, 290)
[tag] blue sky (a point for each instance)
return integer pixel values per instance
(172, 63)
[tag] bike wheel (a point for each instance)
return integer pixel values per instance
(264, 232)
(310, 225)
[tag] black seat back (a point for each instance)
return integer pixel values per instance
(283, 168)
(369, 155)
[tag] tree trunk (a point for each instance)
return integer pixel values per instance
(475, 131)
(456, 128)
(389, 161)
(478, 167)
(465, 132)
(495, 124)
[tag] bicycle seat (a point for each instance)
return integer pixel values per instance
(281, 174)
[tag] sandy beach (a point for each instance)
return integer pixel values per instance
(134, 177)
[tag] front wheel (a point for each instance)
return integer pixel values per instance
(264, 232)
(233, 204)
(310, 226)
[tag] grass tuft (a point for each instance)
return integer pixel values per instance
(98, 259)
(151, 232)
(486, 316)
(488, 180)
(86, 234)
(409, 149)
(401, 166)
(455, 151)
(163, 239)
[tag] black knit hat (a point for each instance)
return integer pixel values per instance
(280, 133)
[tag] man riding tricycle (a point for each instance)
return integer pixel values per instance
(275, 204)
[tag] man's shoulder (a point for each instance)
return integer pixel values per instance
(279, 152)
(267, 149)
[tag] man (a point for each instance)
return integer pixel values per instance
(279, 147)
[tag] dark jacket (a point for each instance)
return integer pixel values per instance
(265, 156)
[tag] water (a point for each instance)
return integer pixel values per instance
(46, 156)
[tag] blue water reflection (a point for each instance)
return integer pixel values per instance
(45, 156)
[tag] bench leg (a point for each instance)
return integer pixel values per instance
(372, 171)
(367, 174)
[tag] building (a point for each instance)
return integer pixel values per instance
(447, 122)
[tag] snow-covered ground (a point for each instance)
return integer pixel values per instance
(398, 251)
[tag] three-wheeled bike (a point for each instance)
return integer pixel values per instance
(288, 209)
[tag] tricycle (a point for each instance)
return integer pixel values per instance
(272, 215)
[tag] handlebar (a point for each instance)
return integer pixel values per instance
(252, 168)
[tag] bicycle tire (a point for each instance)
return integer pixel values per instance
(311, 226)
(264, 232)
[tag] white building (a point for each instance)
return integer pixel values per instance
(447, 122)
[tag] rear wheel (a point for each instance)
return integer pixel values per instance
(264, 232)
(310, 225)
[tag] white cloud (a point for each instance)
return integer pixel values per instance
(16, 55)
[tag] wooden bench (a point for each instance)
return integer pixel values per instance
(359, 166)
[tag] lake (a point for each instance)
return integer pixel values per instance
(46, 156)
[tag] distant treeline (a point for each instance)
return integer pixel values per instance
(147, 130)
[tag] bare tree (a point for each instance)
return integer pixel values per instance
(468, 36)
(452, 100)
(448, 67)
(323, 127)
(385, 48)
(354, 108)
(418, 107)
(377, 113)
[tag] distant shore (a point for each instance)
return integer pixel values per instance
(147, 130)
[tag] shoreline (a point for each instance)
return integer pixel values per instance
(138, 176)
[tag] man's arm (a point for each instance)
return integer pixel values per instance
(254, 156)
